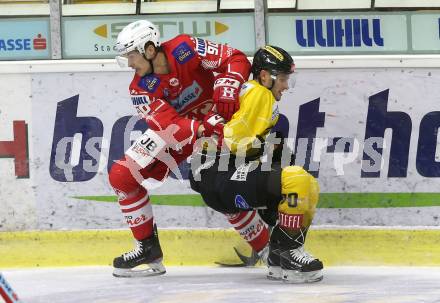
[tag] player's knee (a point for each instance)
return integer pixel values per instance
(294, 179)
(120, 176)
(299, 189)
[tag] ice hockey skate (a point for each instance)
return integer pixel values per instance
(298, 266)
(144, 260)
(273, 262)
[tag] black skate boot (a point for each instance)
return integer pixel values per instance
(147, 252)
(273, 259)
(298, 266)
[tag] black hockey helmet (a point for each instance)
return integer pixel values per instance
(274, 59)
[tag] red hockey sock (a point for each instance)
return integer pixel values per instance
(138, 214)
(133, 200)
(251, 227)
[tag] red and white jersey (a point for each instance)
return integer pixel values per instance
(189, 85)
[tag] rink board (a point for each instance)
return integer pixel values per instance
(75, 121)
(335, 247)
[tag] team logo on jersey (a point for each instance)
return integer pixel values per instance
(174, 82)
(241, 172)
(149, 83)
(183, 53)
(188, 95)
(241, 203)
(275, 111)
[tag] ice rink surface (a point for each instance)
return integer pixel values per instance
(215, 284)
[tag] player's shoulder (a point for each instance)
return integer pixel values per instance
(181, 48)
(175, 42)
(256, 96)
(184, 37)
(254, 89)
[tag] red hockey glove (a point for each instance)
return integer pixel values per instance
(225, 96)
(213, 124)
(213, 128)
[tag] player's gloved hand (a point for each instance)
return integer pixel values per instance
(226, 94)
(213, 125)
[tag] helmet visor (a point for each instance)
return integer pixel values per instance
(287, 81)
(292, 80)
(122, 61)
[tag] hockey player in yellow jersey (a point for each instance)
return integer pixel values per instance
(258, 111)
(290, 193)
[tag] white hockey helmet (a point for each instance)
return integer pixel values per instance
(135, 35)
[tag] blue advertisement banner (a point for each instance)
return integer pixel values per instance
(24, 39)
(95, 37)
(333, 33)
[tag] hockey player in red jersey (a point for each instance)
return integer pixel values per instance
(176, 91)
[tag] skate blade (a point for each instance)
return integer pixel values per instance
(155, 269)
(297, 277)
(274, 273)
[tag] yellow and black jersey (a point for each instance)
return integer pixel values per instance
(251, 124)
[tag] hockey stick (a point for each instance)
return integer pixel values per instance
(6, 292)
(246, 261)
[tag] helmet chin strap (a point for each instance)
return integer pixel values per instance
(273, 81)
(271, 85)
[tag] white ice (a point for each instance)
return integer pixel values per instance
(215, 284)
